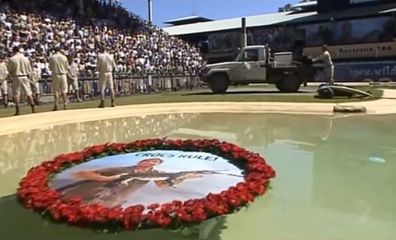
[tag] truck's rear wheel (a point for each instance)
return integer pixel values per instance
(219, 83)
(289, 83)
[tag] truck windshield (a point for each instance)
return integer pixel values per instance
(249, 55)
(239, 57)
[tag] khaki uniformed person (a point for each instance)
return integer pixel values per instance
(35, 85)
(106, 65)
(3, 80)
(73, 76)
(20, 70)
(59, 66)
(329, 67)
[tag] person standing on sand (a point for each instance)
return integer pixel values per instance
(106, 66)
(20, 71)
(73, 76)
(329, 66)
(59, 66)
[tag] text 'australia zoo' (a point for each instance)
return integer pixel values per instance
(199, 156)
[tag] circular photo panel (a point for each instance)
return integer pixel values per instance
(147, 177)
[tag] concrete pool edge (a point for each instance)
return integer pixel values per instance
(386, 105)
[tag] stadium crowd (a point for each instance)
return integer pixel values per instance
(143, 52)
(39, 27)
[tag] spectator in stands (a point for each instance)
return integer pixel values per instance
(59, 66)
(329, 67)
(3, 80)
(73, 77)
(106, 66)
(20, 70)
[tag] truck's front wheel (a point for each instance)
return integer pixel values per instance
(219, 83)
(289, 83)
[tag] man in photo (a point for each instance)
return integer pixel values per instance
(112, 186)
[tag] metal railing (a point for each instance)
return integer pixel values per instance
(126, 84)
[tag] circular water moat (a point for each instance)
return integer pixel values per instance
(335, 175)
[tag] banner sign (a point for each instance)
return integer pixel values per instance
(370, 50)
(158, 176)
(375, 71)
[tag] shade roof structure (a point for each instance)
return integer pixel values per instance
(277, 19)
(234, 23)
(187, 20)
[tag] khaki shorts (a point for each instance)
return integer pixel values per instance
(19, 83)
(3, 87)
(106, 79)
(35, 87)
(74, 85)
(329, 74)
(59, 83)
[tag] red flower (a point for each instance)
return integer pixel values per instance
(97, 149)
(115, 214)
(183, 215)
(162, 219)
(199, 215)
(225, 147)
(129, 223)
(118, 147)
(68, 158)
(153, 206)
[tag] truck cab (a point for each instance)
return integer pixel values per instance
(255, 64)
(251, 65)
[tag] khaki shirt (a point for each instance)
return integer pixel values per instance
(106, 63)
(36, 76)
(73, 71)
(3, 71)
(58, 64)
(19, 65)
(326, 58)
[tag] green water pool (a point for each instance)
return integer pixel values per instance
(335, 175)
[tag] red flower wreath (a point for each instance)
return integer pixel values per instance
(35, 192)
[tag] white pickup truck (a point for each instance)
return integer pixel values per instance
(256, 64)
